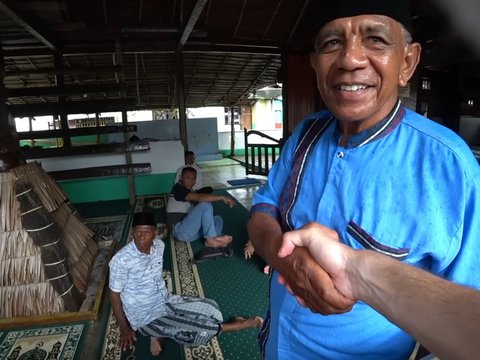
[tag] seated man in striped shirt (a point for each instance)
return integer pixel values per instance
(140, 300)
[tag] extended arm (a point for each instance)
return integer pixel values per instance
(201, 197)
(442, 316)
(127, 334)
(312, 283)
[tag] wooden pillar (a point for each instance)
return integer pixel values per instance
(301, 89)
(282, 78)
(182, 110)
(10, 155)
(128, 155)
(128, 161)
(232, 131)
(60, 82)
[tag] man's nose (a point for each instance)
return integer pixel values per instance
(353, 55)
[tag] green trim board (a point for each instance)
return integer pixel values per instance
(116, 187)
(228, 152)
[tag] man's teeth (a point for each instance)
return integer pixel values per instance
(352, 87)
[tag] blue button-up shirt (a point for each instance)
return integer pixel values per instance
(408, 188)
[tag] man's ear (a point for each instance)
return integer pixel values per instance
(412, 57)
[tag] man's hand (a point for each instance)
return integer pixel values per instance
(312, 285)
(248, 250)
(127, 339)
(228, 200)
(324, 246)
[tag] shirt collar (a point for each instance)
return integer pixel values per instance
(376, 132)
(139, 253)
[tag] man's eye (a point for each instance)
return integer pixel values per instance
(332, 42)
(376, 39)
(328, 44)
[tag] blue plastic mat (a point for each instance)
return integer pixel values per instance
(246, 181)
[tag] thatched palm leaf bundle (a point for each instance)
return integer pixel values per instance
(46, 252)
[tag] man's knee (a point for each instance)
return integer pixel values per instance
(205, 206)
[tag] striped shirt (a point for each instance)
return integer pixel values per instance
(138, 279)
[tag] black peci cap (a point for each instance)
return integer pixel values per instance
(144, 218)
(335, 9)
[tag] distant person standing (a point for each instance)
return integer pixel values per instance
(190, 162)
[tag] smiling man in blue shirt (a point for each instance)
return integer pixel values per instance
(383, 177)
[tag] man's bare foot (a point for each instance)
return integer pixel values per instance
(241, 323)
(156, 345)
(266, 269)
(218, 241)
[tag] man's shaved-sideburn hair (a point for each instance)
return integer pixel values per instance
(189, 169)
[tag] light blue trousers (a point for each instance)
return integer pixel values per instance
(199, 222)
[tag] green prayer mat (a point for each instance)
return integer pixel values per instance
(59, 342)
(237, 285)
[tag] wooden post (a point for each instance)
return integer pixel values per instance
(10, 155)
(232, 131)
(58, 60)
(182, 110)
(128, 155)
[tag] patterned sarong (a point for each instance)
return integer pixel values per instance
(190, 321)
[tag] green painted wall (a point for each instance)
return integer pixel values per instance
(116, 187)
(226, 153)
(154, 183)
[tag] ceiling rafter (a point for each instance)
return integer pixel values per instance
(272, 18)
(240, 18)
(265, 68)
(217, 74)
(20, 18)
(196, 12)
(297, 22)
(247, 62)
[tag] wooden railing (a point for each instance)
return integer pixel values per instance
(259, 157)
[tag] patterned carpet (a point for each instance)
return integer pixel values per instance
(55, 342)
(186, 281)
(223, 279)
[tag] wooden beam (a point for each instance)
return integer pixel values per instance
(38, 153)
(47, 134)
(269, 63)
(17, 16)
(196, 12)
(100, 171)
(80, 70)
(182, 109)
(73, 107)
(153, 47)
(64, 90)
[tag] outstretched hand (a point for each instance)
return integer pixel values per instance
(229, 201)
(127, 339)
(248, 250)
(332, 289)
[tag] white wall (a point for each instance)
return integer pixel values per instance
(164, 157)
(224, 138)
